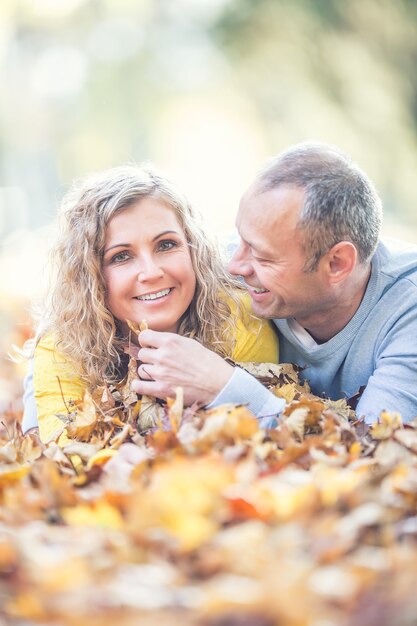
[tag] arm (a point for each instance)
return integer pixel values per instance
(56, 388)
(173, 361)
(30, 412)
(170, 361)
(393, 384)
(242, 388)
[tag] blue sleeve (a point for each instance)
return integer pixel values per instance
(393, 384)
(243, 388)
(30, 411)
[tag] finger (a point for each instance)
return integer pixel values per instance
(148, 355)
(149, 388)
(153, 338)
(145, 372)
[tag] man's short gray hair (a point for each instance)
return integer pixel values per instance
(340, 204)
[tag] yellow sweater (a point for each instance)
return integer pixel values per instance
(57, 385)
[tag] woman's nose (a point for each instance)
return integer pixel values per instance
(149, 270)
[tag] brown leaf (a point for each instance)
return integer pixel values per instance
(85, 420)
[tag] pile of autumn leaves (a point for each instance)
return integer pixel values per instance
(207, 520)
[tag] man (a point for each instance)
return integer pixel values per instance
(343, 302)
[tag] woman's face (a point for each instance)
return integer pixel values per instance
(147, 266)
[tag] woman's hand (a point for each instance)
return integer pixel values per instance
(169, 361)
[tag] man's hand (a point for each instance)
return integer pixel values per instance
(169, 361)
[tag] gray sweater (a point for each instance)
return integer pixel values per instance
(377, 349)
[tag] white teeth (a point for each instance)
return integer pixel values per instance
(154, 296)
(259, 290)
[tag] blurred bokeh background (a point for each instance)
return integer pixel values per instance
(205, 89)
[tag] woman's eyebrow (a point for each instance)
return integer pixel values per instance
(117, 245)
(165, 232)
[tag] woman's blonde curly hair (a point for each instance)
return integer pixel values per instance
(77, 314)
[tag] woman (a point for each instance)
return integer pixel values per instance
(131, 249)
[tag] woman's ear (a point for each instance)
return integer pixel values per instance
(340, 261)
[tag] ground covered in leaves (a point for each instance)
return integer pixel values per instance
(207, 520)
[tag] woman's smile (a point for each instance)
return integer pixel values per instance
(156, 295)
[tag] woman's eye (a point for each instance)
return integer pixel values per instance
(119, 257)
(167, 244)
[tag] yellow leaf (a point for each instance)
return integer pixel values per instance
(386, 425)
(287, 391)
(287, 494)
(26, 605)
(176, 408)
(133, 327)
(97, 514)
(137, 328)
(183, 499)
(355, 450)
(101, 457)
(8, 555)
(8, 453)
(230, 422)
(66, 574)
(12, 473)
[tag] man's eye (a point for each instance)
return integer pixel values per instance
(167, 244)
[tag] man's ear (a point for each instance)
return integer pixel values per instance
(340, 261)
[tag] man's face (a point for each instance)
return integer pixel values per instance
(271, 257)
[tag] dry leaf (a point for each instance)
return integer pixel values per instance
(151, 414)
(176, 409)
(207, 519)
(85, 419)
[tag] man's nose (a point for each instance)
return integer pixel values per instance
(239, 264)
